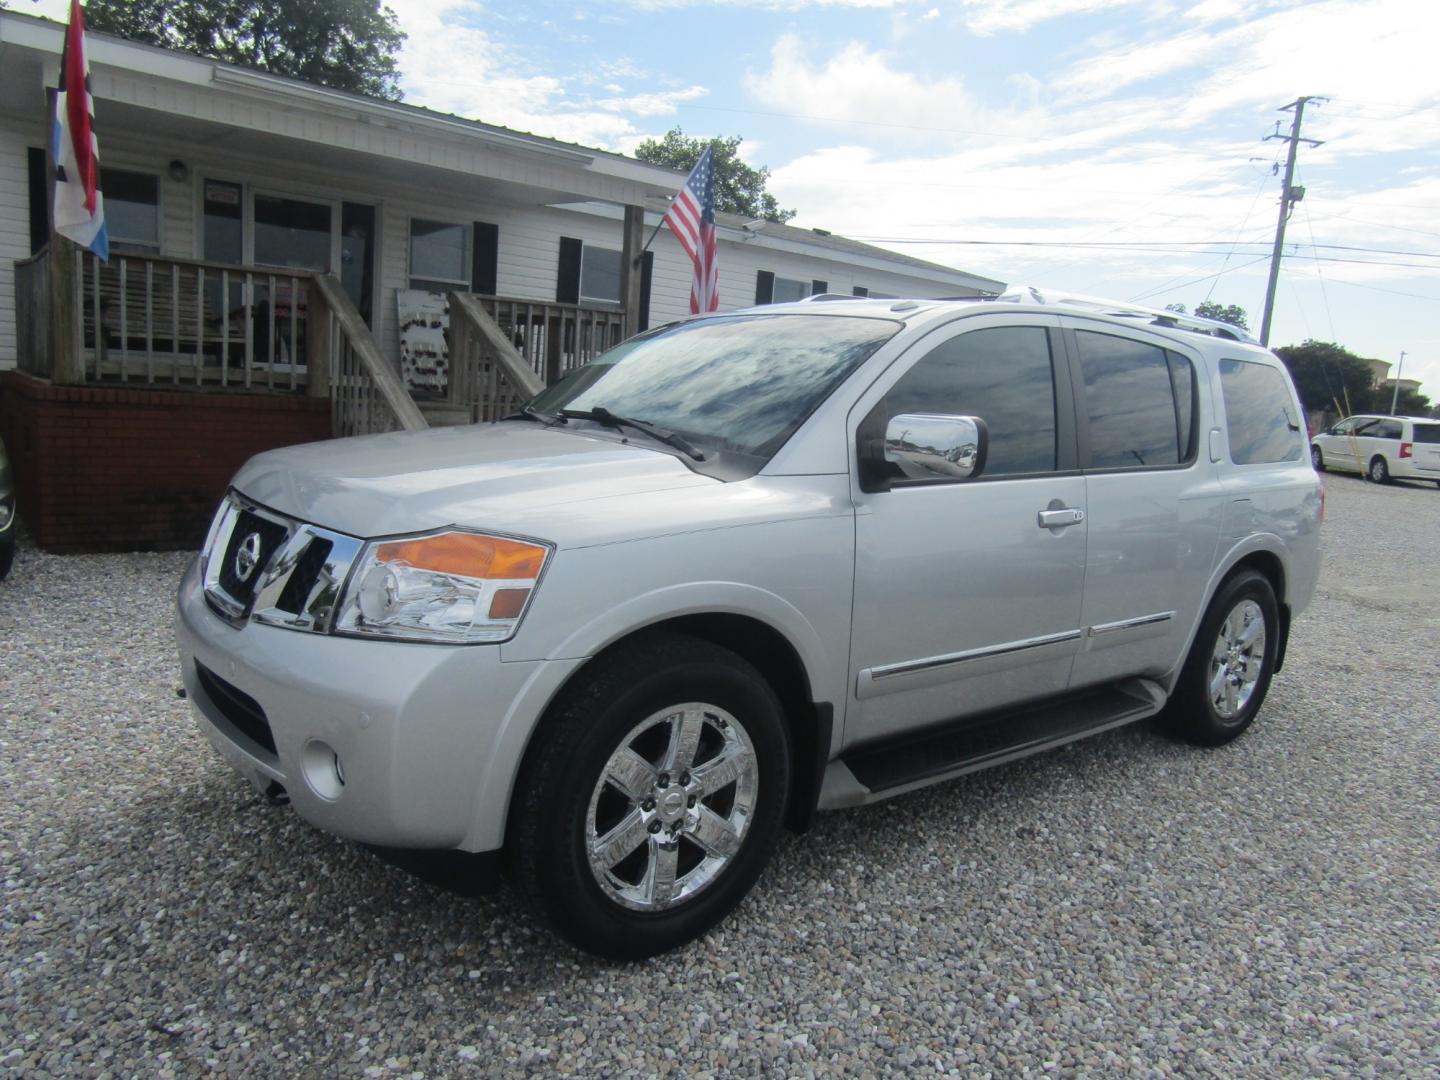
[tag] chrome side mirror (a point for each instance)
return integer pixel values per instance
(932, 446)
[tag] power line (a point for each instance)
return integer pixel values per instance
(1197, 281)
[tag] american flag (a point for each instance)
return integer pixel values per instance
(79, 205)
(691, 218)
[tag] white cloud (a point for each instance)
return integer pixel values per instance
(856, 84)
(995, 16)
(659, 103)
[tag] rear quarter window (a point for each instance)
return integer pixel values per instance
(1427, 433)
(1259, 414)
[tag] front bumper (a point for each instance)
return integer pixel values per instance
(428, 737)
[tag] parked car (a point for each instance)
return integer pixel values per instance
(9, 524)
(1381, 447)
(749, 566)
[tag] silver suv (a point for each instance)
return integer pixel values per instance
(749, 566)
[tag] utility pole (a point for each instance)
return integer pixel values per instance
(1395, 396)
(1289, 196)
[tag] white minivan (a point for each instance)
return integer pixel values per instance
(1381, 447)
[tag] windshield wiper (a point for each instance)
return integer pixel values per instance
(529, 412)
(602, 415)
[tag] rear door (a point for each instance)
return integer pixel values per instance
(1425, 449)
(1153, 505)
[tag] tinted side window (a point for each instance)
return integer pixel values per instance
(1259, 414)
(1427, 433)
(1386, 429)
(1005, 377)
(1141, 402)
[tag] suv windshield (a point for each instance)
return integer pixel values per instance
(740, 384)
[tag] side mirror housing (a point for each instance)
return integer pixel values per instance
(922, 447)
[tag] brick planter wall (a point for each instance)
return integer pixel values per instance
(112, 469)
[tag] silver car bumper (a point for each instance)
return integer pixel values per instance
(379, 741)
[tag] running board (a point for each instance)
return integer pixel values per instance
(880, 770)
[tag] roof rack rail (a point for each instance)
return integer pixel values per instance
(820, 297)
(1028, 294)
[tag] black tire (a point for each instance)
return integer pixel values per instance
(1192, 713)
(1317, 459)
(560, 797)
(7, 557)
(1379, 470)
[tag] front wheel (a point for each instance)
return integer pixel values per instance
(7, 557)
(1379, 470)
(1317, 459)
(651, 798)
(1227, 673)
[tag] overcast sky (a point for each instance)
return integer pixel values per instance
(1103, 146)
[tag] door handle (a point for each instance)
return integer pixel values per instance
(1061, 518)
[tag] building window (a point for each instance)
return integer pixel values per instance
(132, 210)
(788, 290)
(600, 274)
(224, 240)
(439, 256)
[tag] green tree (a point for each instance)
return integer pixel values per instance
(1331, 377)
(345, 44)
(739, 188)
(1233, 314)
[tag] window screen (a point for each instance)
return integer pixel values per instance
(600, 274)
(132, 209)
(1002, 375)
(439, 260)
(1140, 400)
(1259, 414)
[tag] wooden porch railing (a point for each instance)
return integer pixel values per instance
(555, 338)
(366, 394)
(489, 376)
(156, 319)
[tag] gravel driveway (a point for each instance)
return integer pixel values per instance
(1124, 905)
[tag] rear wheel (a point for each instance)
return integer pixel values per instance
(1228, 671)
(1379, 470)
(1317, 459)
(652, 797)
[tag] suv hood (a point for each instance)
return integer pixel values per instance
(512, 477)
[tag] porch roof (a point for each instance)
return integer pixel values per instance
(208, 102)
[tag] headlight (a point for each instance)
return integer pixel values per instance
(452, 587)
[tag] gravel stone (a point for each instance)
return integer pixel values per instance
(1126, 905)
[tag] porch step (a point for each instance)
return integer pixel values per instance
(444, 414)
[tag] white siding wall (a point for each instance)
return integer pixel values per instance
(15, 138)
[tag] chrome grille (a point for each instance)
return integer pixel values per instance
(266, 566)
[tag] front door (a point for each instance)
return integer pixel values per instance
(964, 597)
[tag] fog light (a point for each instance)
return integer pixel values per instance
(323, 771)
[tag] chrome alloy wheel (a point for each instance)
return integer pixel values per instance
(671, 807)
(1237, 660)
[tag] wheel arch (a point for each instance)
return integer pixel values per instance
(809, 723)
(1258, 553)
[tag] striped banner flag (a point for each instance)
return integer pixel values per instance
(691, 218)
(79, 206)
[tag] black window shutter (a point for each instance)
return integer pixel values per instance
(567, 284)
(861, 290)
(817, 287)
(485, 259)
(39, 218)
(647, 267)
(764, 287)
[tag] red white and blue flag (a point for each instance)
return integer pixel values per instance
(691, 218)
(79, 206)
